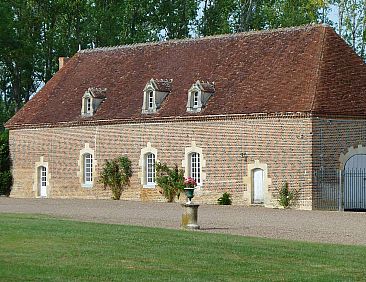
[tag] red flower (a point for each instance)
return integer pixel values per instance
(190, 182)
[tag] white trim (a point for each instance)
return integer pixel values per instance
(360, 150)
(87, 108)
(36, 177)
(81, 164)
(197, 98)
(88, 169)
(248, 180)
(186, 163)
(143, 167)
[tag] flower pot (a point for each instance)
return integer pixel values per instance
(189, 193)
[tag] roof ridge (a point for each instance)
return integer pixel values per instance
(320, 60)
(219, 36)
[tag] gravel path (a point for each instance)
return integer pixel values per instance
(315, 226)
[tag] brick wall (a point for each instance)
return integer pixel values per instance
(284, 144)
(333, 137)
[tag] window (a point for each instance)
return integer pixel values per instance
(151, 100)
(91, 100)
(198, 96)
(87, 163)
(155, 92)
(43, 176)
(194, 164)
(195, 99)
(88, 105)
(147, 161)
(88, 169)
(150, 169)
(195, 167)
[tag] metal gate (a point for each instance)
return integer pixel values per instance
(340, 189)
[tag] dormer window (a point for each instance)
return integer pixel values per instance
(198, 96)
(88, 105)
(151, 100)
(91, 100)
(195, 99)
(155, 92)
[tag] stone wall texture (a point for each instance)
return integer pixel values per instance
(284, 144)
(291, 147)
(335, 140)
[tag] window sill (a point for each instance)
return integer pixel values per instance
(87, 186)
(149, 186)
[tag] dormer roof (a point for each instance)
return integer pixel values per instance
(162, 85)
(98, 93)
(208, 87)
(307, 69)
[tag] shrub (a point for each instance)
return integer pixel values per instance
(116, 175)
(170, 180)
(6, 179)
(225, 199)
(286, 196)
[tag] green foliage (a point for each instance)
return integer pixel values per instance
(170, 180)
(84, 251)
(6, 179)
(225, 199)
(33, 34)
(116, 175)
(285, 196)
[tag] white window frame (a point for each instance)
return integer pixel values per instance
(195, 99)
(88, 105)
(150, 100)
(88, 169)
(195, 167)
(150, 169)
(87, 182)
(43, 178)
(145, 170)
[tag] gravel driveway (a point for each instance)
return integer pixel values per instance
(316, 226)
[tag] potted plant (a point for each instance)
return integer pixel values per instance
(190, 185)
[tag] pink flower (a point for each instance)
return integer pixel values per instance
(190, 182)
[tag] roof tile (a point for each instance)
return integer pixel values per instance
(307, 69)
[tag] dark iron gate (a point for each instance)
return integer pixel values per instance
(340, 189)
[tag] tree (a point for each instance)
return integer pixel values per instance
(216, 17)
(173, 18)
(352, 23)
(6, 179)
(116, 175)
(18, 49)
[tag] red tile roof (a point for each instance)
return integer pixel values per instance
(163, 85)
(308, 69)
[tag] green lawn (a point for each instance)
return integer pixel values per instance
(39, 248)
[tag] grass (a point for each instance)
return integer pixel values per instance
(40, 248)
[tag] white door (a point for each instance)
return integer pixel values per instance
(355, 183)
(258, 195)
(42, 181)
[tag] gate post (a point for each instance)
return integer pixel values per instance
(340, 192)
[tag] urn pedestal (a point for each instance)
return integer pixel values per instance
(190, 215)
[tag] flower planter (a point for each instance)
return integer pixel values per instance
(189, 193)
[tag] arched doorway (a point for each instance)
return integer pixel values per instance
(355, 183)
(258, 186)
(42, 181)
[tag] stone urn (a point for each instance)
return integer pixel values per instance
(189, 193)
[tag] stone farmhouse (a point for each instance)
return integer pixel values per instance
(241, 113)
